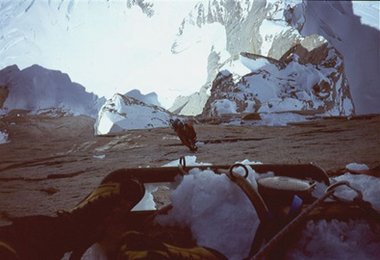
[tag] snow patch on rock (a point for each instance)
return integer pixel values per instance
(301, 80)
(3, 137)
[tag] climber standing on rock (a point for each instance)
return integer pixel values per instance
(186, 133)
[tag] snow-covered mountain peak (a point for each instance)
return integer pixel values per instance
(150, 98)
(121, 113)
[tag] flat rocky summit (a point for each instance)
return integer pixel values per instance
(52, 163)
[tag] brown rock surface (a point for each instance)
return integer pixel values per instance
(52, 163)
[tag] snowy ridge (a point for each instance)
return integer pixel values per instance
(41, 90)
(3, 137)
(300, 81)
(121, 113)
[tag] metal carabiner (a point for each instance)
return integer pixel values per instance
(232, 174)
(182, 165)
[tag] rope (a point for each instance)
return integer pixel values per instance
(300, 218)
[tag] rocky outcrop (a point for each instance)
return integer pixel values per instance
(226, 99)
(301, 80)
(333, 89)
(121, 113)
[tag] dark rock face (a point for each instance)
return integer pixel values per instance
(334, 89)
(38, 89)
(224, 87)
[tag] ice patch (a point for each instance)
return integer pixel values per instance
(356, 167)
(254, 64)
(281, 119)
(100, 156)
(247, 161)
(3, 137)
(368, 185)
(147, 202)
(224, 106)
